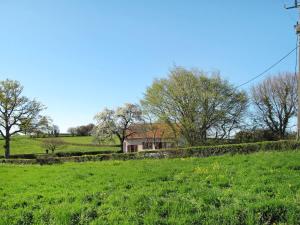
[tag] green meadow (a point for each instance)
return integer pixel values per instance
(260, 188)
(26, 145)
(88, 140)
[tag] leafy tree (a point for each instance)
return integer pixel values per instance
(117, 122)
(28, 126)
(275, 101)
(196, 104)
(155, 128)
(38, 126)
(72, 131)
(255, 135)
(84, 130)
(55, 130)
(42, 126)
(15, 110)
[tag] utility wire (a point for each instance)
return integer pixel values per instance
(269, 68)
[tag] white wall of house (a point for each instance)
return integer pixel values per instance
(133, 142)
(139, 143)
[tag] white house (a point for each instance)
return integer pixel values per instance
(149, 137)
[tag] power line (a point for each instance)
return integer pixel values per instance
(269, 68)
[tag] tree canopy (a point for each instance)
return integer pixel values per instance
(197, 104)
(117, 122)
(15, 110)
(275, 101)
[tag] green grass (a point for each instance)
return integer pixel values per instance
(72, 148)
(261, 188)
(88, 140)
(22, 145)
(79, 140)
(26, 145)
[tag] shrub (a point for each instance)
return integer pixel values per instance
(21, 156)
(68, 154)
(18, 161)
(47, 160)
(255, 135)
(50, 144)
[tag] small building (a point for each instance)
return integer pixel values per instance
(149, 137)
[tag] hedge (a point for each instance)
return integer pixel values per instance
(201, 151)
(68, 154)
(91, 145)
(58, 154)
(19, 161)
(22, 156)
(245, 148)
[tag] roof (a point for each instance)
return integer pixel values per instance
(150, 131)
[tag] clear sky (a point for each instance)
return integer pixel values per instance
(78, 57)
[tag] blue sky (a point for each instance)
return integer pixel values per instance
(78, 57)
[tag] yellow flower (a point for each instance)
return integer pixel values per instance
(201, 170)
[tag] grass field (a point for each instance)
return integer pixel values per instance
(261, 188)
(87, 140)
(26, 145)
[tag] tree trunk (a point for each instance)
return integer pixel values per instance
(7, 147)
(122, 144)
(282, 134)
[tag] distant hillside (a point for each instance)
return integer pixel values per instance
(26, 145)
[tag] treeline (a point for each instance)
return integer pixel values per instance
(84, 130)
(40, 127)
(200, 107)
(196, 106)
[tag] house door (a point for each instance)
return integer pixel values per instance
(158, 145)
(132, 148)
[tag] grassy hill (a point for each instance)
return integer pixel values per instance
(261, 188)
(26, 145)
(88, 140)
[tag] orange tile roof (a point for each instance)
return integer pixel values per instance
(156, 130)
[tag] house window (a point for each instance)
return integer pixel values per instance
(147, 145)
(160, 145)
(170, 145)
(132, 148)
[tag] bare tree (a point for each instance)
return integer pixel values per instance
(117, 122)
(154, 130)
(15, 109)
(51, 144)
(275, 101)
